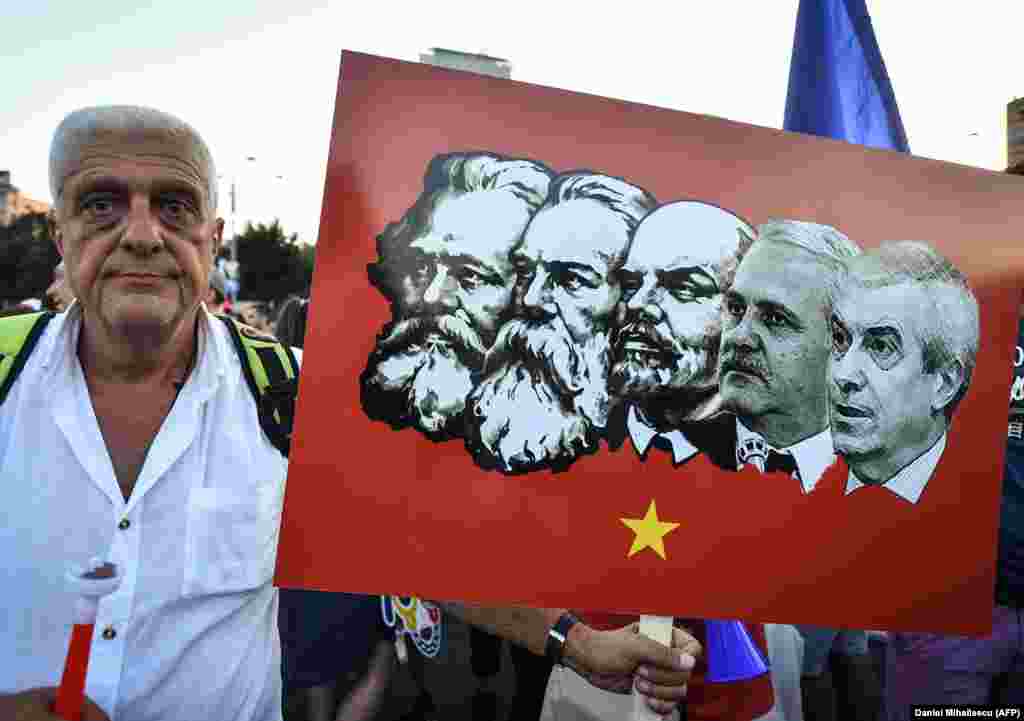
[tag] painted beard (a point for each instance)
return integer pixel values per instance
(420, 374)
(543, 400)
(650, 366)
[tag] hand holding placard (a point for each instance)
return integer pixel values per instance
(658, 628)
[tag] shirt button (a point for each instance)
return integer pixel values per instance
(109, 633)
(124, 524)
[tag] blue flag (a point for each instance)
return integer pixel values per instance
(838, 86)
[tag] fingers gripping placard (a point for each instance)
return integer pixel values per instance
(658, 628)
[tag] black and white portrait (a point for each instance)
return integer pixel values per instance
(544, 400)
(534, 314)
(446, 270)
(776, 347)
(905, 332)
(683, 259)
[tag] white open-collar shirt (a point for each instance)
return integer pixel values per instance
(643, 434)
(812, 455)
(910, 481)
(192, 631)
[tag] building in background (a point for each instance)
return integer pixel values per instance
(1015, 136)
(14, 204)
(471, 62)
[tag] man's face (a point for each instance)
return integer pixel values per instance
(565, 265)
(775, 339)
(544, 395)
(454, 287)
(59, 295)
(881, 398)
(682, 258)
(457, 261)
(136, 230)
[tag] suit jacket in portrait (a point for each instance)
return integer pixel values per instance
(711, 437)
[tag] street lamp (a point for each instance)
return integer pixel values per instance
(235, 182)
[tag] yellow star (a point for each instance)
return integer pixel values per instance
(649, 532)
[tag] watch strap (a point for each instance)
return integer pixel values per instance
(554, 647)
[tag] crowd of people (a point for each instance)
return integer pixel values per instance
(156, 460)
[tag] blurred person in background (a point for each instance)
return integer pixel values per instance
(59, 294)
(216, 301)
(229, 267)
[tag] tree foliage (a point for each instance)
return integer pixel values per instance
(27, 258)
(273, 265)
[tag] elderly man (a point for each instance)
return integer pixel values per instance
(132, 392)
(904, 335)
(544, 399)
(154, 458)
(445, 268)
(773, 361)
(682, 261)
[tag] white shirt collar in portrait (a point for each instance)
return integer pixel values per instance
(813, 455)
(193, 625)
(910, 481)
(642, 435)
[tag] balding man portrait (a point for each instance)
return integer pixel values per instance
(131, 434)
(905, 332)
(445, 268)
(544, 400)
(153, 456)
(776, 346)
(664, 375)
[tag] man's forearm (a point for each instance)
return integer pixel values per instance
(612, 660)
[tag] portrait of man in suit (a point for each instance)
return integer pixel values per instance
(445, 269)
(776, 346)
(664, 373)
(543, 400)
(905, 332)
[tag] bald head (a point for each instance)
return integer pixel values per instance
(691, 233)
(116, 130)
(683, 259)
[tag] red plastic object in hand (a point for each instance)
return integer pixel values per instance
(71, 692)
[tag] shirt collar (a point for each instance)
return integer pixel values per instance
(910, 481)
(813, 455)
(642, 435)
(214, 356)
(65, 336)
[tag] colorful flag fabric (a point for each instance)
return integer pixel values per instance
(838, 85)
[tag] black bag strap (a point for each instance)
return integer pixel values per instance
(272, 374)
(19, 335)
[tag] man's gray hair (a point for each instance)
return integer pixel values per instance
(831, 248)
(462, 173)
(83, 125)
(953, 328)
(821, 240)
(629, 202)
(528, 180)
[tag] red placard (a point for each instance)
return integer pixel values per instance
(374, 509)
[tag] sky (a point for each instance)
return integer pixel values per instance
(258, 79)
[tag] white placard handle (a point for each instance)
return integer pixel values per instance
(658, 628)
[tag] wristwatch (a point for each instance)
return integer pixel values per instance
(555, 645)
